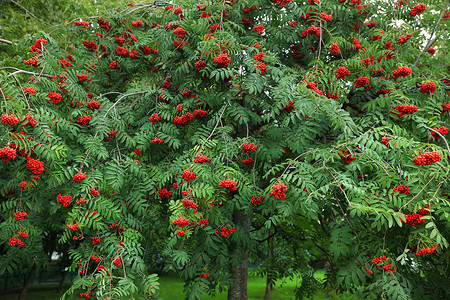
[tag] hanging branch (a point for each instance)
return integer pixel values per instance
(430, 40)
(30, 13)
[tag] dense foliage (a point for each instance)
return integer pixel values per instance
(282, 133)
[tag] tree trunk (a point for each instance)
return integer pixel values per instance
(61, 283)
(269, 266)
(26, 286)
(238, 289)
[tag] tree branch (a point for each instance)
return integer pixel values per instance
(5, 41)
(117, 102)
(430, 40)
(30, 13)
(150, 5)
(19, 71)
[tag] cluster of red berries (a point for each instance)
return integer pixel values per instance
(249, 147)
(29, 91)
(417, 9)
(79, 177)
(20, 215)
(184, 119)
(23, 185)
(401, 189)
(188, 94)
(259, 29)
(203, 222)
(200, 113)
(54, 97)
(347, 156)
(312, 86)
(38, 46)
(188, 175)
(200, 65)
(342, 72)
(379, 261)
(73, 227)
(327, 18)
(94, 192)
(182, 222)
(356, 45)
(30, 121)
(428, 88)
(225, 231)
(405, 109)
(312, 30)
(15, 242)
(426, 250)
(35, 165)
(96, 240)
(404, 38)
(178, 44)
(117, 262)
(442, 130)
(81, 77)
(401, 72)
(424, 210)
(137, 23)
(81, 23)
(93, 104)
(289, 106)
(201, 159)
(413, 219)
(278, 190)
(65, 200)
(11, 120)
(157, 140)
(32, 62)
(431, 50)
(257, 200)
(189, 204)
(385, 141)
(82, 200)
(228, 184)
(362, 81)
(222, 60)
(248, 162)
(427, 158)
(114, 65)
(95, 259)
(445, 106)
(164, 194)
(103, 23)
(7, 153)
(84, 121)
(90, 45)
(154, 118)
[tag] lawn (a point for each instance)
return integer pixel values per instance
(172, 289)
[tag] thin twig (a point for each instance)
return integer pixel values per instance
(30, 13)
(217, 124)
(339, 185)
(430, 40)
(117, 102)
(400, 209)
(153, 4)
(441, 136)
(23, 92)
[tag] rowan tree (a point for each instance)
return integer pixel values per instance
(201, 132)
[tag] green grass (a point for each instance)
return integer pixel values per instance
(171, 288)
